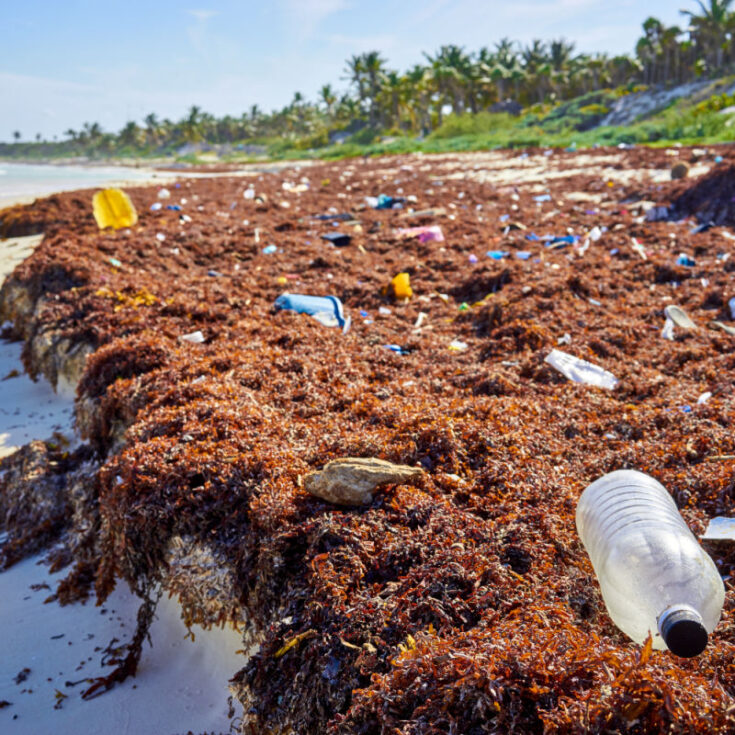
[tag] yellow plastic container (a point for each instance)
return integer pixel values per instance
(401, 286)
(113, 208)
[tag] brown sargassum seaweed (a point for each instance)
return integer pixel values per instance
(463, 605)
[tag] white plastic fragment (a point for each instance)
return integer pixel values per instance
(679, 317)
(668, 331)
(704, 398)
(720, 529)
(456, 345)
(581, 371)
(195, 338)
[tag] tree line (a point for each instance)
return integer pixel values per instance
(451, 80)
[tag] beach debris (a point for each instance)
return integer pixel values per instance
(685, 260)
(383, 201)
(353, 480)
(430, 233)
(249, 193)
(269, 249)
(338, 239)
(195, 338)
(164, 193)
(327, 310)
(456, 345)
(639, 248)
(668, 329)
(156, 206)
(399, 287)
(657, 213)
(704, 397)
(500, 254)
(113, 208)
(679, 317)
(724, 327)
(720, 528)
(581, 371)
(731, 305)
(435, 212)
(680, 170)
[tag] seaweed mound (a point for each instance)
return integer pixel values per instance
(711, 199)
(463, 602)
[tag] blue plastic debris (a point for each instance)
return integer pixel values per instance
(523, 254)
(686, 409)
(542, 198)
(326, 309)
(719, 159)
(684, 259)
(269, 249)
(396, 348)
(156, 206)
(701, 228)
(174, 207)
(472, 258)
(215, 274)
(496, 254)
(338, 239)
(533, 237)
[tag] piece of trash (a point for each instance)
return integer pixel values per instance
(420, 319)
(561, 241)
(430, 233)
(269, 249)
(497, 254)
(686, 409)
(249, 194)
(719, 159)
(595, 302)
(113, 208)
(542, 198)
(724, 327)
(581, 371)
(344, 217)
(383, 201)
(731, 304)
(704, 398)
(464, 306)
(327, 310)
(668, 329)
(684, 259)
(195, 338)
(720, 528)
(472, 258)
(521, 254)
(115, 262)
(216, 274)
(160, 236)
(399, 287)
(677, 315)
(353, 480)
(532, 237)
(384, 310)
(456, 345)
(595, 234)
(156, 206)
(337, 239)
(164, 193)
(566, 339)
(396, 348)
(639, 248)
(702, 228)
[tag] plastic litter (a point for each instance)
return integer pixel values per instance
(581, 371)
(249, 194)
(156, 206)
(498, 254)
(704, 398)
(668, 330)
(115, 262)
(338, 239)
(174, 207)
(399, 287)
(472, 258)
(731, 304)
(396, 348)
(164, 193)
(684, 259)
(521, 254)
(639, 248)
(327, 310)
(456, 345)
(269, 249)
(430, 233)
(113, 208)
(701, 228)
(724, 327)
(383, 201)
(720, 529)
(719, 159)
(677, 315)
(195, 338)
(542, 198)
(654, 576)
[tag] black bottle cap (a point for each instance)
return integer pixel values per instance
(684, 634)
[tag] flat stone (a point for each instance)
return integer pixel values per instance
(353, 480)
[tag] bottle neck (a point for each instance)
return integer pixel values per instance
(683, 631)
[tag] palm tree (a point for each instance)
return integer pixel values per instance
(328, 98)
(16, 135)
(711, 27)
(451, 70)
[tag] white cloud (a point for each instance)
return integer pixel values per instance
(307, 15)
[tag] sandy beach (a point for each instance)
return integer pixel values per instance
(182, 683)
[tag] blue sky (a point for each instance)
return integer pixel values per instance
(64, 63)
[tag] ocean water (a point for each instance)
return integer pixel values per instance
(22, 180)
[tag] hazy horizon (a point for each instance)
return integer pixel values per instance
(80, 62)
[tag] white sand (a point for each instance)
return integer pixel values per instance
(181, 685)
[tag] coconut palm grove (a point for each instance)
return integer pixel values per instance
(505, 93)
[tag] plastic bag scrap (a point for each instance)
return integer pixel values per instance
(581, 371)
(327, 310)
(430, 233)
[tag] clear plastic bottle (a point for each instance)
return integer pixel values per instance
(653, 573)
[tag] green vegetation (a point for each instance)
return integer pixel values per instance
(453, 101)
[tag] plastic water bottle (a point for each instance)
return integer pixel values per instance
(654, 575)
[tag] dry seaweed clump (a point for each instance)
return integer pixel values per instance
(457, 598)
